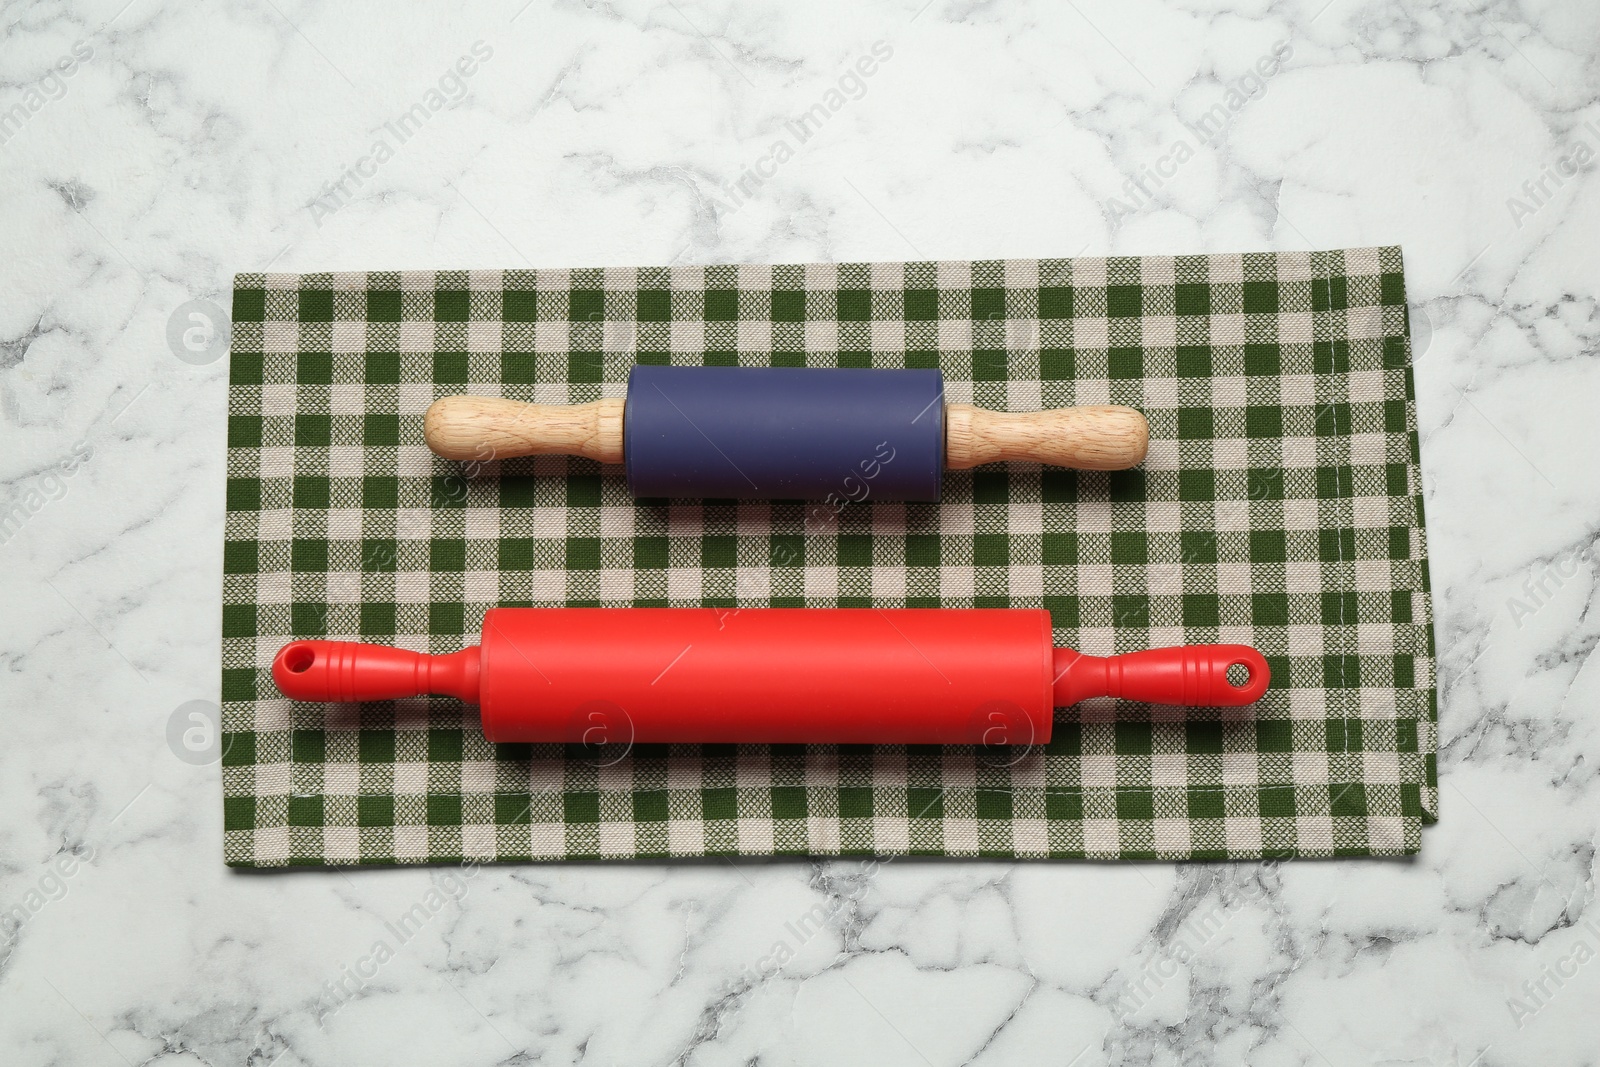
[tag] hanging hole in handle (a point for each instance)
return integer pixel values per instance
(1238, 675)
(299, 659)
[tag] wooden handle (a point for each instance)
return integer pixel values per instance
(1089, 438)
(490, 427)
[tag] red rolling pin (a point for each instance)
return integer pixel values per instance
(769, 675)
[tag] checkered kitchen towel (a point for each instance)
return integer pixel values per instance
(1280, 507)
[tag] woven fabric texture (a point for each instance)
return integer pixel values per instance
(1280, 506)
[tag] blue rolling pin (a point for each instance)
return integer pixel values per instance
(786, 433)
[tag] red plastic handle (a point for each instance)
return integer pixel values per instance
(347, 671)
(1191, 676)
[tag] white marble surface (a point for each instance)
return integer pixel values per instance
(195, 140)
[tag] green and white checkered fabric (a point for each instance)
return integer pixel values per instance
(1280, 507)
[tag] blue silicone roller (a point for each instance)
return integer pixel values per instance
(786, 433)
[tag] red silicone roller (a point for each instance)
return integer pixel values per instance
(769, 675)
